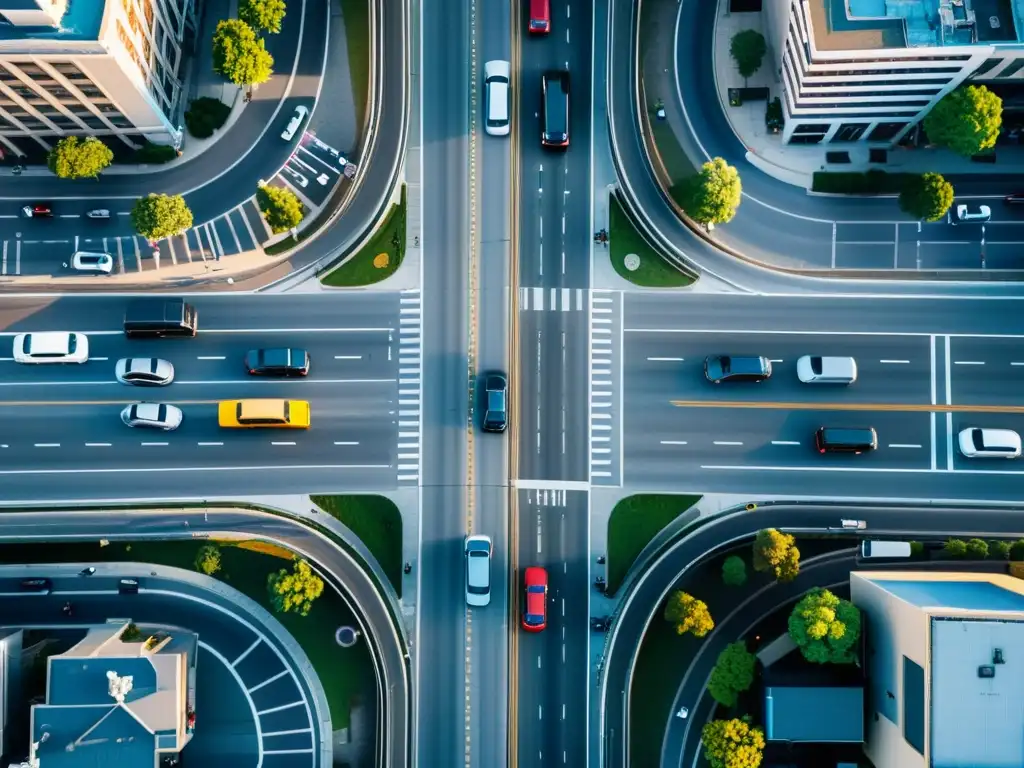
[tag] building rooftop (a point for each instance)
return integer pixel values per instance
(956, 595)
(817, 715)
(80, 20)
(851, 25)
(974, 720)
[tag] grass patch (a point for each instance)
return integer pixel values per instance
(873, 182)
(633, 523)
(377, 522)
(623, 238)
(356, 15)
(345, 673)
(389, 239)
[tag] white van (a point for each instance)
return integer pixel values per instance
(891, 549)
(826, 370)
(498, 97)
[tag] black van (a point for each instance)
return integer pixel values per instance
(845, 440)
(160, 317)
(128, 586)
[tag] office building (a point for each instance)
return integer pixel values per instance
(106, 68)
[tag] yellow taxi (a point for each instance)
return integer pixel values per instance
(249, 414)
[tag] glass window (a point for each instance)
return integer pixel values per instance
(987, 66)
(1012, 68)
(850, 132)
(886, 131)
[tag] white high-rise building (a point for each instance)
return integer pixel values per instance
(869, 70)
(106, 68)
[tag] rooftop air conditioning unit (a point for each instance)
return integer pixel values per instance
(986, 670)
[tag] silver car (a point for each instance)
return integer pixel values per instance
(478, 570)
(152, 416)
(144, 371)
(299, 115)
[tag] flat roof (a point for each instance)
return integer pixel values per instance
(956, 595)
(976, 721)
(814, 715)
(81, 21)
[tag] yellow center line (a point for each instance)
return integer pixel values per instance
(905, 407)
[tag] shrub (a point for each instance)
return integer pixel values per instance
(155, 153)
(999, 550)
(873, 182)
(955, 548)
(734, 571)
(205, 115)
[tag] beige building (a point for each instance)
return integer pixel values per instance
(945, 665)
(106, 68)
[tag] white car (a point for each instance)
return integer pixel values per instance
(856, 525)
(144, 371)
(301, 113)
(97, 263)
(966, 215)
(978, 443)
(99, 213)
(152, 416)
(51, 347)
(478, 570)
(497, 97)
(826, 370)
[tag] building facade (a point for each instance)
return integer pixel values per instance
(870, 70)
(106, 68)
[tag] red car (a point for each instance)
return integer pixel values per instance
(535, 603)
(540, 17)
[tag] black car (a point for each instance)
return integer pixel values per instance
(37, 585)
(495, 402)
(719, 368)
(277, 362)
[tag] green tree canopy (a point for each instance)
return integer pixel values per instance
(927, 196)
(262, 14)
(239, 55)
(280, 207)
(776, 552)
(733, 673)
(1017, 550)
(714, 194)
(732, 744)
(688, 614)
(295, 591)
(76, 157)
(966, 120)
(157, 216)
(1000, 549)
(955, 548)
(977, 549)
(825, 628)
(208, 559)
(748, 49)
(734, 571)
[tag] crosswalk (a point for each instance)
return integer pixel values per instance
(605, 365)
(410, 367)
(553, 299)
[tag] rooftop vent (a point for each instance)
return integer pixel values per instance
(986, 670)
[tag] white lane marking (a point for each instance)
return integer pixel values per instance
(211, 357)
(277, 442)
(673, 442)
(727, 442)
(97, 445)
(968, 362)
(47, 445)
(348, 357)
(1016, 363)
(99, 359)
(665, 359)
(777, 361)
(155, 443)
(345, 442)
(904, 445)
(211, 443)
(895, 362)
(252, 330)
(785, 442)
(136, 470)
(202, 383)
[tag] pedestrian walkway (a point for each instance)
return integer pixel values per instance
(605, 388)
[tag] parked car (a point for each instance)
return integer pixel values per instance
(497, 97)
(95, 263)
(966, 214)
(300, 114)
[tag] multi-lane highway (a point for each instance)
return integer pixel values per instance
(62, 438)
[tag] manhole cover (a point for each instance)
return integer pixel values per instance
(346, 637)
(632, 262)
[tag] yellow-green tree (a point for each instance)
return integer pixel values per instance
(825, 628)
(208, 559)
(294, 592)
(688, 614)
(776, 552)
(732, 744)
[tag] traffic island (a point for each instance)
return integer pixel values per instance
(378, 524)
(378, 258)
(633, 524)
(635, 260)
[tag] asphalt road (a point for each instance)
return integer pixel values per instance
(636, 614)
(62, 421)
(927, 369)
(555, 240)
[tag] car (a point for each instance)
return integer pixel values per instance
(278, 361)
(98, 213)
(152, 416)
(478, 570)
(682, 713)
(535, 599)
(51, 347)
(495, 403)
(540, 17)
(300, 114)
(983, 443)
(857, 525)
(38, 211)
(40, 584)
(497, 97)
(965, 214)
(719, 368)
(144, 371)
(811, 369)
(555, 106)
(98, 263)
(256, 413)
(853, 440)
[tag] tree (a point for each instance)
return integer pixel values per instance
(239, 55)
(733, 673)
(75, 157)
(295, 591)
(748, 49)
(927, 196)
(825, 628)
(916, 549)
(688, 614)
(776, 552)
(977, 549)
(966, 120)
(1017, 550)
(280, 207)
(732, 744)
(955, 548)
(208, 559)
(157, 216)
(734, 571)
(999, 549)
(262, 14)
(713, 195)
(205, 115)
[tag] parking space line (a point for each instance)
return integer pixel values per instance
(259, 217)
(138, 252)
(231, 227)
(245, 653)
(292, 732)
(170, 250)
(269, 680)
(215, 239)
(833, 245)
(4, 269)
(17, 257)
(263, 712)
(316, 157)
(120, 258)
(248, 226)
